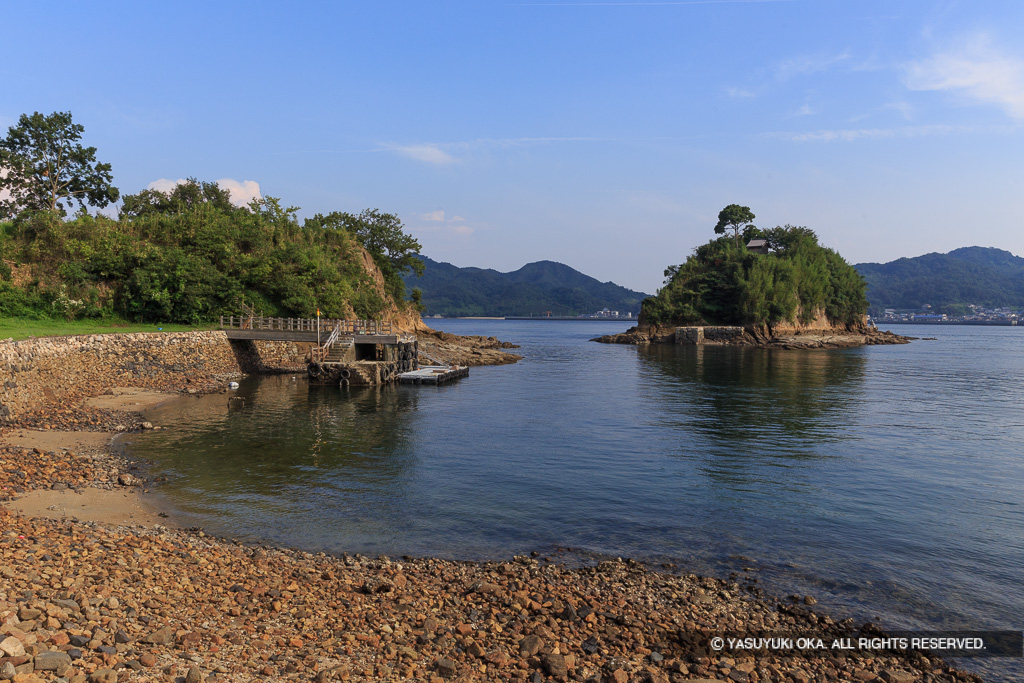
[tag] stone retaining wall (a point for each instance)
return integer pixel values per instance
(708, 335)
(64, 370)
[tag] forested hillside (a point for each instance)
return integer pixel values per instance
(183, 256)
(982, 276)
(535, 288)
(190, 255)
(723, 282)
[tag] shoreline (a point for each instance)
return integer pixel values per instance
(115, 496)
(838, 337)
(157, 603)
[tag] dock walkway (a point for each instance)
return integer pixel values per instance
(433, 374)
(307, 329)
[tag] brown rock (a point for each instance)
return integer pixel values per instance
(620, 676)
(445, 667)
(498, 658)
(555, 666)
(103, 676)
(162, 636)
(530, 645)
(12, 647)
(52, 660)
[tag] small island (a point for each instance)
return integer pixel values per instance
(775, 287)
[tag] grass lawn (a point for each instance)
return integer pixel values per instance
(23, 328)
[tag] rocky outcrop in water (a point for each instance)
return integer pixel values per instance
(819, 334)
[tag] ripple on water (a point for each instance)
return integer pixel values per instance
(884, 479)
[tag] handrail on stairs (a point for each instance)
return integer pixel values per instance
(335, 333)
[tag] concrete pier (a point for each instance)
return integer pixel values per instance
(433, 374)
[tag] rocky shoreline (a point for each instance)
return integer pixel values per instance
(761, 336)
(87, 602)
(465, 350)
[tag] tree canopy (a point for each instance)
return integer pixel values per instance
(189, 255)
(724, 283)
(384, 237)
(736, 218)
(47, 169)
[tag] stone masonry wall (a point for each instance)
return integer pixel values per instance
(64, 370)
(708, 334)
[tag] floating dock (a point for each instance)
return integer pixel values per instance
(433, 374)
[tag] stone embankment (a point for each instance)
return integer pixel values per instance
(61, 371)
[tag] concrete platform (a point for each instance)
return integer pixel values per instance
(433, 374)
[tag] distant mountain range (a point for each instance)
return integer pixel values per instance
(984, 276)
(534, 289)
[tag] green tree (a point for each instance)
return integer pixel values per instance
(724, 283)
(46, 167)
(181, 198)
(384, 237)
(736, 218)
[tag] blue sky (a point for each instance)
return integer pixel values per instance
(605, 135)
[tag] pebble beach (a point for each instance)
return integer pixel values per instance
(128, 597)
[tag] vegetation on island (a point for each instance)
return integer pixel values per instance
(183, 256)
(949, 283)
(725, 283)
(534, 289)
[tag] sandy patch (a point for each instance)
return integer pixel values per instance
(118, 506)
(129, 398)
(56, 440)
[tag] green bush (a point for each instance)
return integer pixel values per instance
(189, 255)
(724, 283)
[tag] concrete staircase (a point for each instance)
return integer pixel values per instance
(338, 350)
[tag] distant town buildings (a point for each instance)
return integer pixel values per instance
(605, 313)
(979, 315)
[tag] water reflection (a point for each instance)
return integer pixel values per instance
(284, 450)
(788, 401)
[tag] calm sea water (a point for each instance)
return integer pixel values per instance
(886, 481)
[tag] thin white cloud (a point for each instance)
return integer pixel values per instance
(975, 70)
(662, 3)
(433, 216)
(808, 64)
(449, 228)
(440, 225)
(905, 109)
(805, 110)
(241, 192)
(165, 184)
(855, 134)
(429, 153)
(800, 65)
(739, 93)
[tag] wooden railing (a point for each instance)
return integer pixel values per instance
(343, 327)
(319, 353)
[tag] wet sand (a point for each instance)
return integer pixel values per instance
(116, 505)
